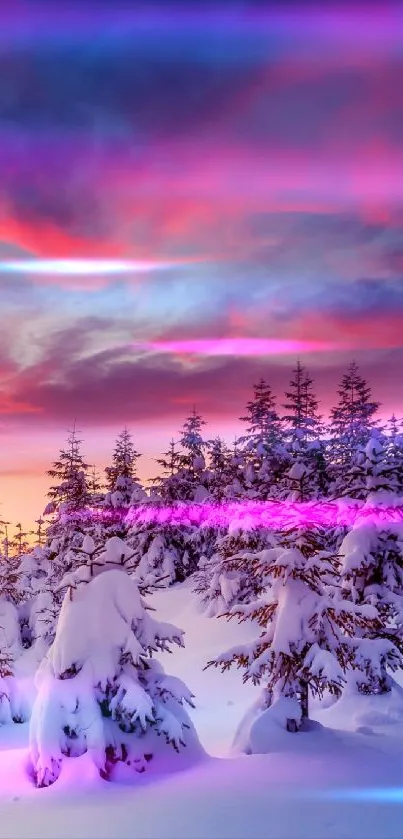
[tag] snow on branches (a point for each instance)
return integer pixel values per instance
(310, 634)
(99, 688)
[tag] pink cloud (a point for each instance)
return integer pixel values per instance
(239, 347)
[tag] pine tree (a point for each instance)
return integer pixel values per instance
(70, 508)
(225, 578)
(372, 575)
(6, 542)
(192, 442)
(163, 552)
(20, 543)
(301, 405)
(167, 485)
(372, 475)
(394, 450)
(71, 493)
(122, 479)
(190, 477)
(309, 634)
(219, 475)
(39, 534)
(95, 488)
(351, 422)
(10, 637)
(381, 472)
(185, 477)
(237, 467)
(307, 476)
(265, 455)
(101, 690)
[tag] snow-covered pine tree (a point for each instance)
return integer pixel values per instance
(71, 492)
(20, 540)
(265, 455)
(307, 476)
(164, 552)
(99, 688)
(192, 465)
(228, 577)
(97, 495)
(394, 449)
(69, 507)
(308, 637)
(92, 558)
(219, 474)
(381, 471)
(236, 488)
(167, 485)
(10, 635)
(373, 474)
(350, 426)
(39, 532)
(123, 484)
(372, 573)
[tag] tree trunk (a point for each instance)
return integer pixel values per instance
(384, 681)
(304, 700)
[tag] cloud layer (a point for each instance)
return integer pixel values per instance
(260, 150)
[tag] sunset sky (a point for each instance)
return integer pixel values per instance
(253, 158)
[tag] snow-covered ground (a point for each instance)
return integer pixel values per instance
(342, 779)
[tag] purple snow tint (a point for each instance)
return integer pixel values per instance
(248, 515)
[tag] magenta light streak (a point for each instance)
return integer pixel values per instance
(274, 515)
(241, 346)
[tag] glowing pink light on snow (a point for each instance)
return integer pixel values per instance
(249, 515)
(241, 346)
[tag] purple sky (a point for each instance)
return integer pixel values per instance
(259, 151)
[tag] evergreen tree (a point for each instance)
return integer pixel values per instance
(70, 502)
(265, 454)
(20, 542)
(307, 476)
(5, 541)
(167, 485)
(10, 636)
(163, 552)
(71, 492)
(189, 481)
(101, 690)
(309, 634)
(226, 578)
(372, 474)
(220, 472)
(192, 442)
(95, 488)
(394, 450)
(301, 406)
(381, 471)
(372, 575)
(351, 422)
(237, 487)
(39, 533)
(122, 479)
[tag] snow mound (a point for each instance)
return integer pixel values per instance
(264, 730)
(355, 711)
